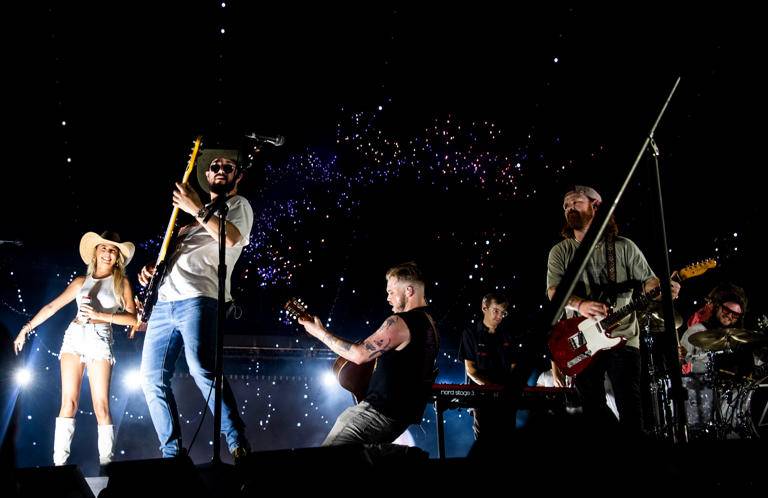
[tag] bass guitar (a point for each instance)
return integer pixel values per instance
(150, 293)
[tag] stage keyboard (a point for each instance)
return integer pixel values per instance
(470, 395)
(449, 396)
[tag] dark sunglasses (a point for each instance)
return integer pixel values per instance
(226, 168)
(735, 315)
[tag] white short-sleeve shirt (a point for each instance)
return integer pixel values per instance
(193, 270)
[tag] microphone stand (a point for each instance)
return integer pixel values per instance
(678, 394)
(219, 206)
(587, 246)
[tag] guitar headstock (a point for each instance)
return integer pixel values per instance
(697, 269)
(296, 308)
(196, 146)
(193, 158)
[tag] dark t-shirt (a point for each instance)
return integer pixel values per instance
(492, 354)
(401, 382)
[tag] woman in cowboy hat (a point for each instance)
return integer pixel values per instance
(104, 297)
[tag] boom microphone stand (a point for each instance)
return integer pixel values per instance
(219, 206)
(587, 246)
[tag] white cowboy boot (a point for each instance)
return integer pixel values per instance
(62, 439)
(106, 443)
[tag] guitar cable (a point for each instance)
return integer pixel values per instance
(202, 419)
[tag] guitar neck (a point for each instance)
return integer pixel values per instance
(175, 213)
(640, 302)
(168, 235)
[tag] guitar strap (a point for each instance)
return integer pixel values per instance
(605, 292)
(436, 339)
(435, 335)
(610, 257)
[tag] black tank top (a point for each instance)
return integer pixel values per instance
(400, 384)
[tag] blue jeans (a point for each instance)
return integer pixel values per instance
(190, 323)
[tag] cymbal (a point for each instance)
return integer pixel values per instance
(659, 316)
(656, 319)
(727, 338)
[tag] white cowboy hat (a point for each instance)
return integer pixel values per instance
(90, 240)
(207, 156)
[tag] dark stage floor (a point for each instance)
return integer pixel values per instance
(534, 463)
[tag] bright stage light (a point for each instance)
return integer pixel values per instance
(132, 379)
(329, 380)
(23, 376)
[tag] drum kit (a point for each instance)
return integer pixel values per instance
(738, 385)
(729, 401)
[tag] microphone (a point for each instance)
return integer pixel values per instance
(277, 141)
(16, 243)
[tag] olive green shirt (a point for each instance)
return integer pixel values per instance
(631, 265)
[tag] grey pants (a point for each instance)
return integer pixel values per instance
(363, 424)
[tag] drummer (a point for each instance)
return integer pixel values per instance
(724, 309)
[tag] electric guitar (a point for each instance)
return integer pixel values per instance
(575, 341)
(351, 376)
(150, 293)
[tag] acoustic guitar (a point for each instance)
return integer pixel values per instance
(351, 376)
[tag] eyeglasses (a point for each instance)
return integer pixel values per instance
(226, 168)
(728, 312)
(497, 311)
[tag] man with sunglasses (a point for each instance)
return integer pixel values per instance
(186, 309)
(724, 308)
(492, 356)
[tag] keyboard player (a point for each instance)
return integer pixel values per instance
(492, 356)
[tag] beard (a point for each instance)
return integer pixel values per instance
(398, 304)
(577, 220)
(222, 188)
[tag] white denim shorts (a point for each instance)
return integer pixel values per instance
(89, 341)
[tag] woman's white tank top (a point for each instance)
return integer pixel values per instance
(101, 292)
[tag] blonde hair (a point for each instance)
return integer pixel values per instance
(406, 272)
(118, 275)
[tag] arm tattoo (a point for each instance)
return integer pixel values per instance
(379, 346)
(336, 344)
